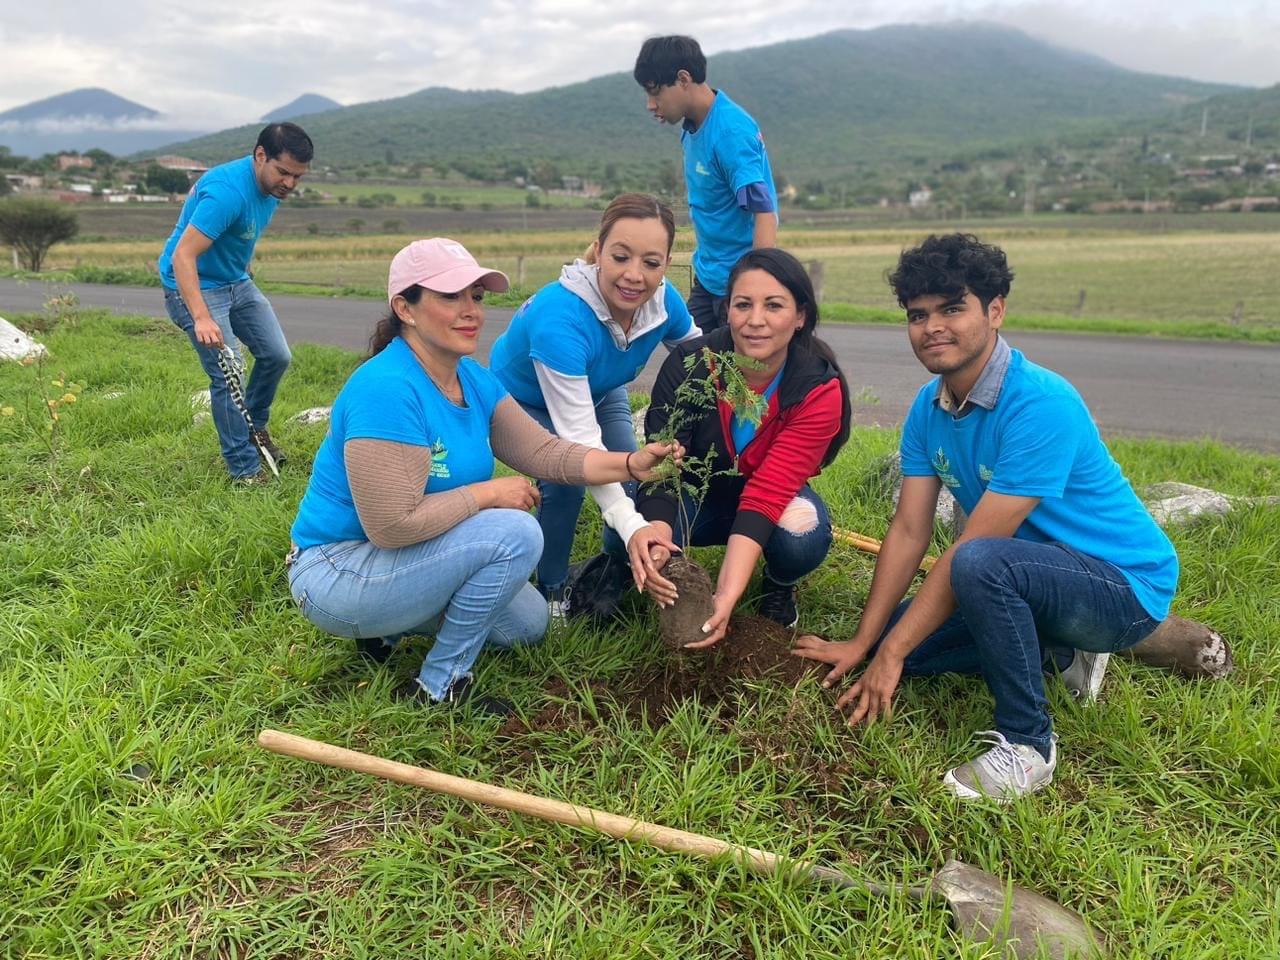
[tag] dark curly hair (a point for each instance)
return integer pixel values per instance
(950, 265)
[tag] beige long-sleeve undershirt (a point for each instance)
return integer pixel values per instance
(387, 478)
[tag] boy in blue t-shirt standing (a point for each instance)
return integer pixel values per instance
(208, 293)
(732, 199)
(1059, 562)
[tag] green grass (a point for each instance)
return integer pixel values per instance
(146, 620)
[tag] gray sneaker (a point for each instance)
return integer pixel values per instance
(1083, 676)
(1005, 772)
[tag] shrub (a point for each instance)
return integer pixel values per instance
(31, 226)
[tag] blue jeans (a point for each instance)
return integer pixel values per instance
(469, 587)
(788, 557)
(243, 313)
(558, 514)
(1013, 598)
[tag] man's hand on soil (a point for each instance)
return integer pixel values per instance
(872, 693)
(843, 655)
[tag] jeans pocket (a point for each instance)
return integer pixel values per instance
(1138, 631)
(326, 621)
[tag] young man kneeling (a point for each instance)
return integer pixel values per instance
(1059, 561)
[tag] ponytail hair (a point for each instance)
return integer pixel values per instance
(789, 272)
(390, 325)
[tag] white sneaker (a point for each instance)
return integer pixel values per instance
(558, 606)
(1083, 676)
(1005, 772)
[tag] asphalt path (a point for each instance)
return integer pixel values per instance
(1134, 386)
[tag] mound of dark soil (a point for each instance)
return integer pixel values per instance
(755, 650)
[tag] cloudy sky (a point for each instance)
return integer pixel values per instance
(217, 63)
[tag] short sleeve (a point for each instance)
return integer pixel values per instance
(557, 340)
(913, 446)
(384, 409)
(742, 157)
(217, 207)
(1037, 447)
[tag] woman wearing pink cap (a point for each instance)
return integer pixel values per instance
(403, 528)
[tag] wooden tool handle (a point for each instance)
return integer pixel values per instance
(872, 545)
(615, 825)
(612, 824)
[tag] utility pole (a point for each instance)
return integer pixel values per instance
(1204, 121)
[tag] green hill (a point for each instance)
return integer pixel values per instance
(825, 103)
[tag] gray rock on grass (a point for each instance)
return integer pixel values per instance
(1173, 504)
(312, 415)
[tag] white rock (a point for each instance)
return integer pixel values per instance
(113, 395)
(200, 400)
(949, 513)
(1172, 511)
(637, 424)
(16, 345)
(1173, 503)
(311, 415)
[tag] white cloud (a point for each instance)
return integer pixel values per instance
(216, 63)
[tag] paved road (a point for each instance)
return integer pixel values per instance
(1134, 386)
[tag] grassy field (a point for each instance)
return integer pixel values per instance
(1077, 274)
(470, 195)
(149, 635)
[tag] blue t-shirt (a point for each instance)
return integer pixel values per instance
(227, 207)
(390, 397)
(743, 430)
(1039, 441)
(561, 331)
(723, 156)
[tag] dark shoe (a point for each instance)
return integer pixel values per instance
(263, 439)
(259, 479)
(374, 649)
(460, 695)
(778, 602)
(595, 588)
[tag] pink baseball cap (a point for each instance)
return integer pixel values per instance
(441, 265)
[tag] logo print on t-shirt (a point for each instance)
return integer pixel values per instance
(439, 454)
(698, 168)
(942, 466)
(985, 473)
(250, 232)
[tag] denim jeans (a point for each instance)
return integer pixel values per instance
(1015, 600)
(558, 514)
(788, 557)
(707, 309)
(469, 587)
(242, 313)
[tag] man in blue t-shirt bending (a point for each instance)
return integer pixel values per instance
(733, 202)
(207, 291)
(1059, 563)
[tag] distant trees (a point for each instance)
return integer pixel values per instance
(32, 226)
(165, 180)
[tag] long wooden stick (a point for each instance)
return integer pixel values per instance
(558, 811)
(871, 545)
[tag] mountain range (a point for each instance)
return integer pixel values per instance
(824, 103)
(900, 95)
(303, 106)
